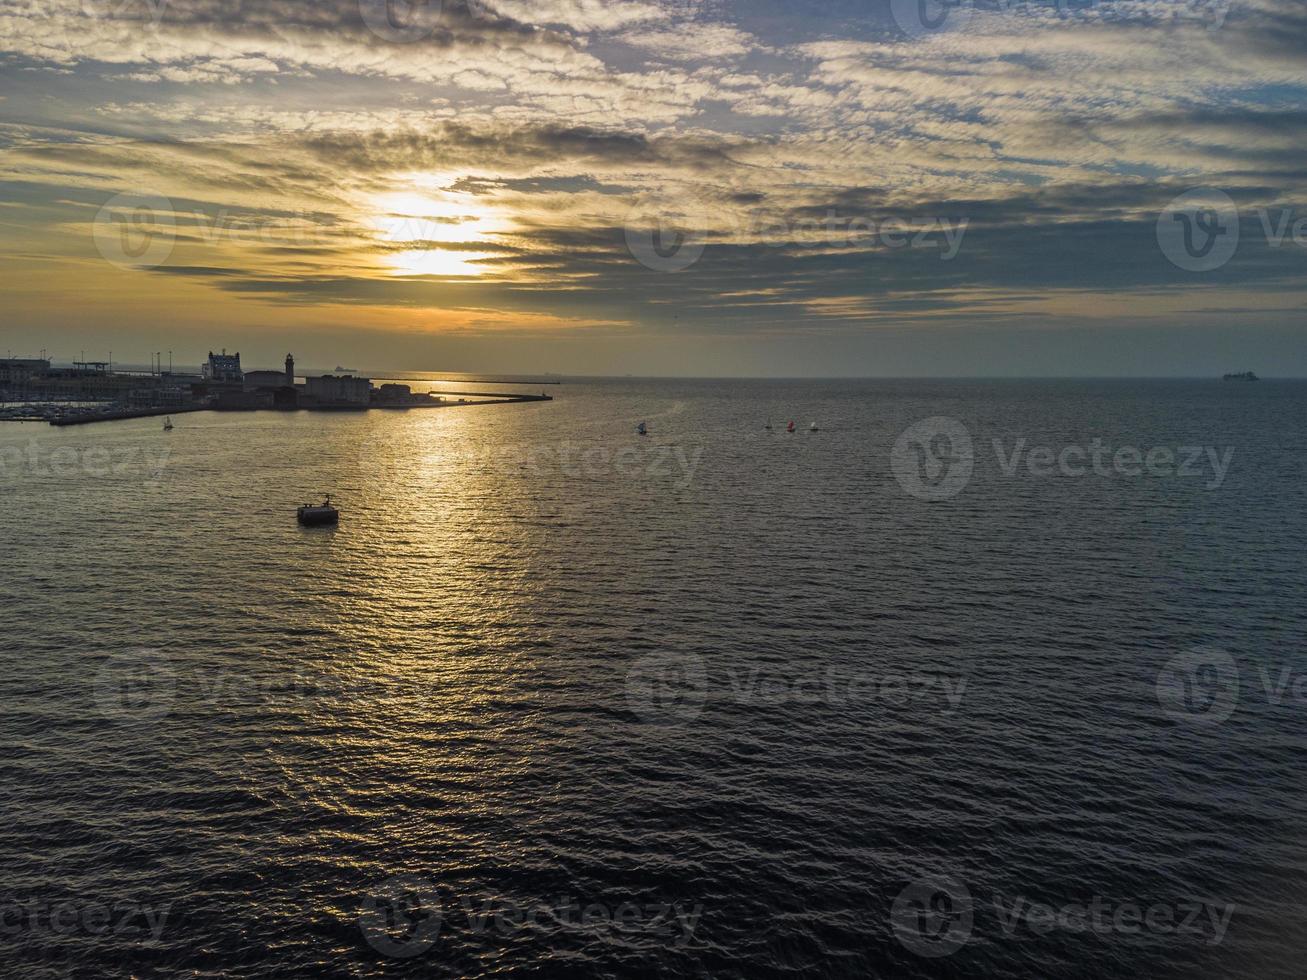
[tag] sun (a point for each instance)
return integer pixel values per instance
(438, 262)
(435, 223)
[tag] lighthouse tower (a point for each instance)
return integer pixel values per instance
(290, 371)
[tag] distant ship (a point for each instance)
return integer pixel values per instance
(1245, 376)
(343, 370)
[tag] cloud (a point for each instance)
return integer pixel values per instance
(1058, 136)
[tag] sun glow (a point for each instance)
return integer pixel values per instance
(434, 223)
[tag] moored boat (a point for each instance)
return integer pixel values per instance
(319, 515)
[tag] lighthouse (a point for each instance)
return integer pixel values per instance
(290, 371)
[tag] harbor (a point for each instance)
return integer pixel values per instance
(85, 392)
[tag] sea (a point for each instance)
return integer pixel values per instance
(977, 678)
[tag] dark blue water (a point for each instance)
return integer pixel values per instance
(979, 678)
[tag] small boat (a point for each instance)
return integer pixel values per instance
(790, 427)
(642, 428)
(167, 424)
(768, 426)
(814, 428)
(319, 515)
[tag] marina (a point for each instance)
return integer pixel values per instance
(85, 392)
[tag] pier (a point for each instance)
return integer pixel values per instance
(114, 414)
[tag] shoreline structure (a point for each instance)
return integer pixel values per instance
(91, 391)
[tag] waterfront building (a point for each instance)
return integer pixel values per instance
(17, 370)
(264, 379)
(223, 368)
(331, 391)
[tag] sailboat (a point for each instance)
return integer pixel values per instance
(167, 424)
(642, 428)
(790, 427)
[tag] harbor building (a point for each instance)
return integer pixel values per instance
(344, 391)
(264, 379)
(17, 370)
(223, 368)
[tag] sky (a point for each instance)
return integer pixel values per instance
(659, 187)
